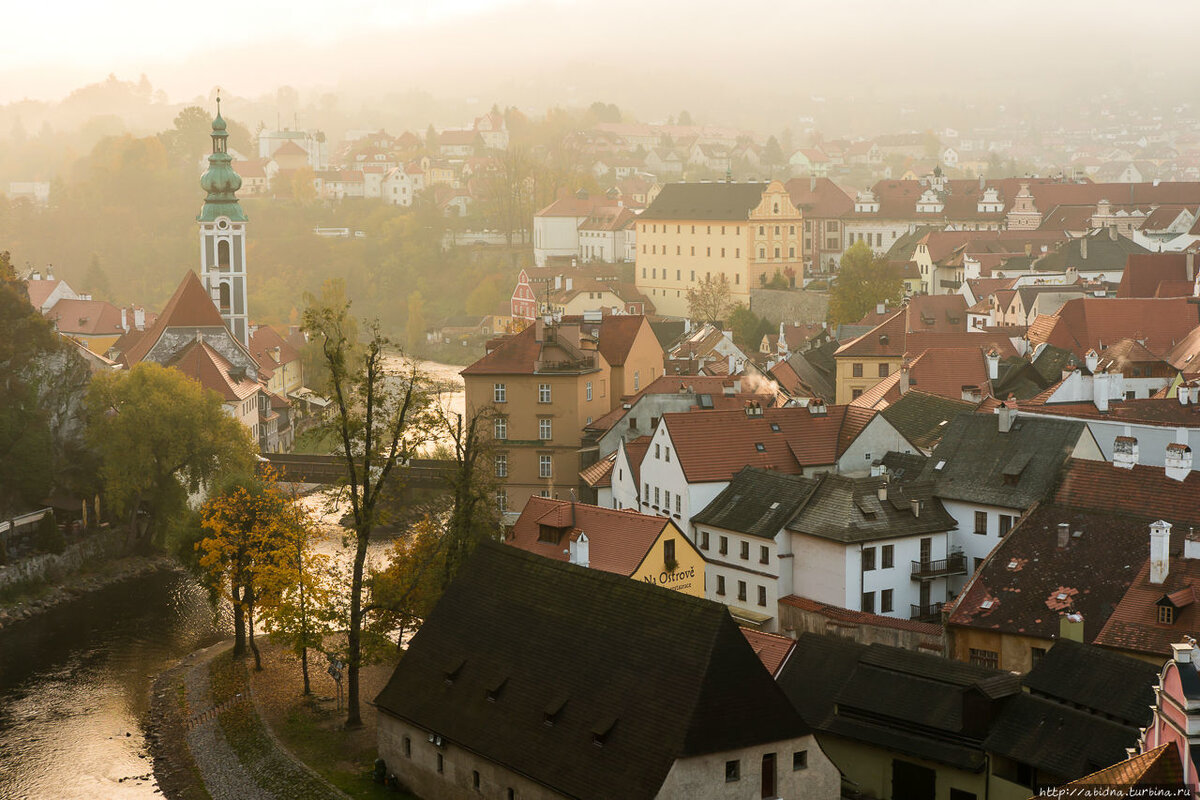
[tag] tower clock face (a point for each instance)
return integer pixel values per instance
(223, 224)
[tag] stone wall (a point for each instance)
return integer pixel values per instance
(922, 638)
(799, 305)
(96, 546)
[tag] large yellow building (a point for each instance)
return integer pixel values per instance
(745, 232)
(544, 384)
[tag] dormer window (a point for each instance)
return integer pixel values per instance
(1166, 615)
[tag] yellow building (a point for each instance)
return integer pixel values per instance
(744, 232)
(544, 384)
(643, 547)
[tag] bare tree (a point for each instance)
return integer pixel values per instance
(709, 300)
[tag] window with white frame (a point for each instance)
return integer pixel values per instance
(544, 467)
(502, 465)
(589, 390)
(545, 430)
(502, 500)
(500, 428)
(499, 393)
(543, 393)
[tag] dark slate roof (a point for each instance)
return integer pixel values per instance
(659, 674)
(807, 368)
(1103, 254)
(849, 510)
(921, 417)
(718, 201)
(903, 467)
(1096, 679)
(896, 699)
(979, 464)
(667, 331)
(1058, 740)
(757, 502)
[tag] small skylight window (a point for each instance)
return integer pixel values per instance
(939, 466)
(775, 505)
(986, 604)
(775, 427)
(943, 422)
(760, 447)
(1060, 596)
(1012, 564)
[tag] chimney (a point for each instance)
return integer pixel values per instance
(915, 505)
(139, 318)
(1100, 391)
(578, 550)
(883, 485)
(881, 308)
(125, 320)
(49, 272)
(1091, 360)
(1160, 551)
(817, 407)
(1191, 267)
(36, 276)
(993, 364)
(1007, 413)
(879, 470)
(1191, 545)
(1070, 626)
(1064, 535)
(1179, 461)
(1083, 247)
(1112, 233)
(1125, 452)
(1184, 652)
(972, 393)
(904, 380)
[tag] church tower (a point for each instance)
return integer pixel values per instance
(223, 236)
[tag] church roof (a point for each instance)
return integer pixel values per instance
(189, 307)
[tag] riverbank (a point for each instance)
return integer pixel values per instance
(218, 729)
(26, 600)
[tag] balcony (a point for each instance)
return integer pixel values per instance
(956, 564)
(929, 613)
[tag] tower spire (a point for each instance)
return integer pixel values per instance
(223, 234)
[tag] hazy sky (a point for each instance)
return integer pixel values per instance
(562, 50)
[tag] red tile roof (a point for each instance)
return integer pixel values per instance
(617, 335)
(206, 365)
(819, 198)
(1185, 355)
(189, 307)
(1166, 411)
(263, 342)
(1134, 622)
(1143, 491)
(618, 540)
(861, 617)
(771, 648)
(715, 445)
(40, 290)
(1085, 323)
(86, 318)
(1145, 271)
(599, 475)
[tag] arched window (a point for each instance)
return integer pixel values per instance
(224, 296)
(223, 255)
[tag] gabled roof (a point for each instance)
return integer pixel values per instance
(976, 462)
(263, 342)
(86, 317)
(1094, 323)
(941, 371)
(618, 540)
(819, 197)
(849, 510)
(1103, 253)
(715, 201)
(653, 674)
(1086, 676)
(617, 335)
(189, 307)
(757, 502)
(1027, 582)
(1158, 767)
(199, 361)
(921, 417)
(771, 648)
(1145, 271)
(895, 699)
(40, 290)
(716, 445)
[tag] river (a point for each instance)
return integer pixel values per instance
(74, 682)
(74, 686)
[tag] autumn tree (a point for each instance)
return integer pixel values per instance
(380, 421)
(160, 435)
(863, 280)
(709, 300)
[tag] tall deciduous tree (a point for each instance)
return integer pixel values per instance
(160, 435)
(709, 300)
(863, 280)
(380, 420)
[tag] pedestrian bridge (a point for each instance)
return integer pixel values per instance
(419, 473)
